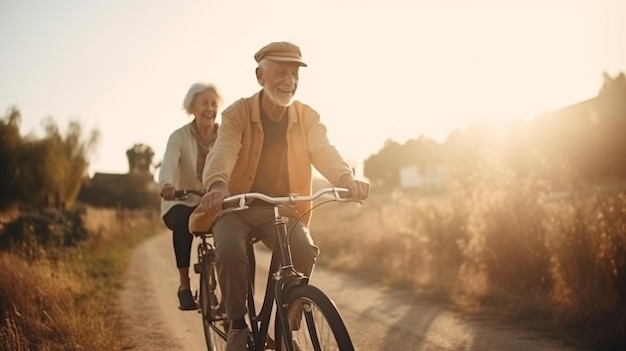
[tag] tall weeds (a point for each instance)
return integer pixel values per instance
(495, 241)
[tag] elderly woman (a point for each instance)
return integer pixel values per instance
(181, 168)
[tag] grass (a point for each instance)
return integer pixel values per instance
(65, 298)
(501, 248)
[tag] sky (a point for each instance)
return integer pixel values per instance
(377, 70)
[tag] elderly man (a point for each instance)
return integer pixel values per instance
(266, 143)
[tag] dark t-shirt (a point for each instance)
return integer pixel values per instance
(272, 177)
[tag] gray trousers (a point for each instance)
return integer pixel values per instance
(232, 231)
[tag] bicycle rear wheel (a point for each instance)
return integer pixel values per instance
(212, 309)
(314, 320)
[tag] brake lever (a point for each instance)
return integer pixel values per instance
(351, 199)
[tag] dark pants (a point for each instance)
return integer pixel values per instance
(177, 220)
(232, 231)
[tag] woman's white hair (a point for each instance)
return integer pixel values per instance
(194, 89)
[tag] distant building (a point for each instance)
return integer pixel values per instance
(129, 190)
(113, 180)
(135, 189)
(419, 164)
(588, 136)
(608, 104)
(425, 177)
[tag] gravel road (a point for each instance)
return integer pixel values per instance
(377, 319)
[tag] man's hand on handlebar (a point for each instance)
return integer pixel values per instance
(168, 192)
(358, 189)
(212, 201)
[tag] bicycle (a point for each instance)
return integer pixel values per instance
(288, 294)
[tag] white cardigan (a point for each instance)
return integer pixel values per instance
(179, 167)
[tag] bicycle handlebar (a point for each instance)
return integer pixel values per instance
(184, 193)
(291, 198)
(335, 192)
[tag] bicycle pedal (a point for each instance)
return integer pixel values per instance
(196, 268)
(270, 343)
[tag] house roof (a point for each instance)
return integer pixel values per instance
(116, 179)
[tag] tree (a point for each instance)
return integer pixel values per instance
(10, 144)
(612, 85)
(66, 159)
(381, 169)
(39, 168)
(139, 159)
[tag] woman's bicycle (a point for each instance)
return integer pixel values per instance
(302, 313)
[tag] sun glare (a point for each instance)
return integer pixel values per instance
(391, 70)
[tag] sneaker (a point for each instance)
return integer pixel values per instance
(186, 300)
(237, 340)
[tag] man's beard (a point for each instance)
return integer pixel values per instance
(281, 99)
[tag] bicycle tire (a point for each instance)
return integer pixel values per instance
(315, 321)
(214, 322)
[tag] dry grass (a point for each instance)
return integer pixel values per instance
(498, 245)
(65, 300)
(42, 303)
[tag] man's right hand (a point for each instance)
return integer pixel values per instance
(212, 201)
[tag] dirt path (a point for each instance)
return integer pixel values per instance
(377, 319)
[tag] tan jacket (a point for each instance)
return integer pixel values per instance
(235, 155)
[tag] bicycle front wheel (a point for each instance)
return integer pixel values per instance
(214, 320)
(314, 320)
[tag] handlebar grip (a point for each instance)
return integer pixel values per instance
(184, 193)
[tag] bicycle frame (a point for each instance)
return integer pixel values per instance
(282, 276)
(279, 276)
